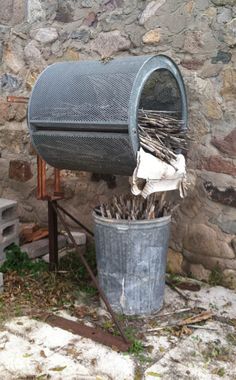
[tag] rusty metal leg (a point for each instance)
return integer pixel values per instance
(39, 178)
(75, 220)
(57, 182)
(90, 272)
(53, 235)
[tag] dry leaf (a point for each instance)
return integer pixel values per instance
(58, 368)
(42, 354)
(153, 374)
(27, 355)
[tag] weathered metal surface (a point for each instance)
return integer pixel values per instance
(96, 334)
(131, 261)
(87, 120)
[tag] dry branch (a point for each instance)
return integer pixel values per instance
(161, 133)
(135, 208)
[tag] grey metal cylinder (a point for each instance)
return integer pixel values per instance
(131, 261)
(83, 115)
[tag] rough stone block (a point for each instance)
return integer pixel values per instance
(106, 44)
(201, 239)
(40, 247)
(152, 36)
(36, 11)
(9, 231)
(20, 170)
(226, 196)
(12, 11)
(80, 238)
(150, 10)
(9, 83)
(217, 164)
(229, 278)
(227, 144)
(46, 35)
(174, 262)
(199, 272)
(8, 210)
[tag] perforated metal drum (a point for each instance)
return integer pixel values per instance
(83, 115)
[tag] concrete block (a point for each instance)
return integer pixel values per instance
(5, 245)
(80, 238)
(62, 253)
(40, 247)
(8, 210)
(1, 282)
(9, 231)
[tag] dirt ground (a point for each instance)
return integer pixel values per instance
(167, 345)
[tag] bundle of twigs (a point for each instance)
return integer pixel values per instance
(161, 134)
(135, 208)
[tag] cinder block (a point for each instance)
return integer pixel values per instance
(9, 231)
(5, 245)
(1, 282)
(8, 210)
(62, 253)
(80, 238)
(40, 247)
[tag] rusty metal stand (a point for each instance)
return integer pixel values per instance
(54, 214)
(90, 272)
(52, 198)
(53, 235)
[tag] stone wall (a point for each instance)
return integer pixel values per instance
(200, 35)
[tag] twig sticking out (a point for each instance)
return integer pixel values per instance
(135, 208)
(161, 134)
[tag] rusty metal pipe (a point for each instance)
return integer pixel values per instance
(96, 334)
(17, 99)
(39, 178)
(85, 263)
(53, 235)
(57, 182)
(75, 220)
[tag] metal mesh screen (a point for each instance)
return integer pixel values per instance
(83, 115)
(102, 153)
(88, 92)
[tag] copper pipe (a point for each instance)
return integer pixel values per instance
(57, 182)
(39, 178)
(44, 191)
(17, 99)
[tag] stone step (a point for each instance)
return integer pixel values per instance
(8, 210)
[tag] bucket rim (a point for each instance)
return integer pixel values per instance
(130, 222)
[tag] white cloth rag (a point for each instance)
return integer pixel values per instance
(159, 175)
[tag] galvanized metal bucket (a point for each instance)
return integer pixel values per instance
(131, 261)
